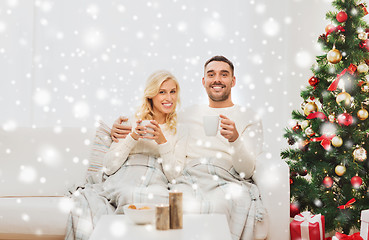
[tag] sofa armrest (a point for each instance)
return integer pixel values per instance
(272, 178)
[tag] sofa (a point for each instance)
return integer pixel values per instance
(39, 165)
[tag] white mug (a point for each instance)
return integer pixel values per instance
(145, 123)
(211, 125)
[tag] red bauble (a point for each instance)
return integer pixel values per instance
(356, 181)
(341, 16)
(345, 119)
(296, 128)
(329, 28)
(313, 81)
(291, 181)
(294, 209)
(328, 182)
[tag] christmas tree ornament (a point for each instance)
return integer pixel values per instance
(341, 17)
(334, 56)
(328, 182)
(304, 145)
(362, 68)
(309, 132)
(337, 141)
(303, 172)
(305, 124)
(340, 170)
(332, 118)
(356, 181)
(359, 154)
(310, 107)
(362, 114)
(291, 141)
(362, 36)
(329, 28)
(345, 119)
(294, 209)
(293, 174)
(313, 81)
(291, 181)
(364, 45)
(365, 87)
(297, 128)
(343, 99)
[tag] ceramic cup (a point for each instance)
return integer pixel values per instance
(145, 123)
(211, 125)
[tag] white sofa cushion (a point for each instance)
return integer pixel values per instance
(34, 215)
(42, 161)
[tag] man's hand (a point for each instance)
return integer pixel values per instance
(228, 129)
(120, 130)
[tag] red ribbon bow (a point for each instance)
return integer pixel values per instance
(317, 115)
(336, 29)
(351, 70)
(348, 204)
(355, 236)
(326, 141)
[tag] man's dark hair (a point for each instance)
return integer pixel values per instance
(220, 59)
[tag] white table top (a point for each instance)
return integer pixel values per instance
(195, 227)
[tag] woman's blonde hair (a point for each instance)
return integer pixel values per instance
(153, 84)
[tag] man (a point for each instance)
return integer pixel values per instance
(217, 173)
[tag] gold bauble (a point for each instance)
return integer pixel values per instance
(362, 36)
(359, 154)
(334, 56)
(305, 124)
(337, 141)
(362, 68)
(362, 114)
(332, 118)
(310, 107)
(340, 170)
(343, 98)
(365, 87)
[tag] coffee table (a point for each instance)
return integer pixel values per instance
(195, 227)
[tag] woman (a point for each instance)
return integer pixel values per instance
(143, 162)
(140, 165)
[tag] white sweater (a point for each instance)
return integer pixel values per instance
(172, 161)
(241, 153)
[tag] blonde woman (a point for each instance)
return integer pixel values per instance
(142, 164)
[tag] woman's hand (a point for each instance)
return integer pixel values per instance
(139, 131)
(156, 132)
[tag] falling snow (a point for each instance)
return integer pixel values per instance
(69, 64)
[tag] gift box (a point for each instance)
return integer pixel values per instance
(364, 228)
(306, 226)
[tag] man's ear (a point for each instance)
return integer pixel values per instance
(203, 81)
(233, 81)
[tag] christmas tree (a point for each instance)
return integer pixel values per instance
(328, 157)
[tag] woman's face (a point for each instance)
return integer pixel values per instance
(165, 101)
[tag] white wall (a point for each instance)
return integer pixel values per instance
(69, 63)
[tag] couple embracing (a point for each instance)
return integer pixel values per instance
(157, 151)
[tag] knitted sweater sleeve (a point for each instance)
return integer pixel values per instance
(246, 148)
(173, 154)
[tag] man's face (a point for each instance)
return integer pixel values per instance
(218, 81)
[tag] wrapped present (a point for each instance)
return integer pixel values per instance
(341, 236)
(306, 226)
(364, 228)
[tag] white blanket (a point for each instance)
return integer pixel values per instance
(213, 186)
